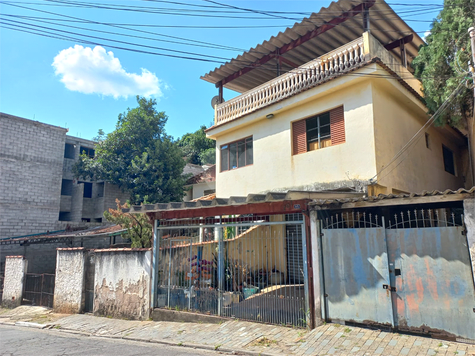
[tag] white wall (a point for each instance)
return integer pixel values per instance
(275, 168)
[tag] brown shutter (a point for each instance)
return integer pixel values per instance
(337, 126)
(299, 137)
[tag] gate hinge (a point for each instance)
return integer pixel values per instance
(386, 286)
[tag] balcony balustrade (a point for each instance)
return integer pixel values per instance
(291, 83)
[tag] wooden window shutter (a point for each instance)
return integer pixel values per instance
(337, 126)
(299, 136)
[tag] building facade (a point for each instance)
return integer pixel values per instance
(347, 112)
(37, 190)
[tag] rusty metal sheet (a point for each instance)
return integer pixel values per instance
(356, 275)
(433, 280)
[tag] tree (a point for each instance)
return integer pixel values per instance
(442, 64)
(139, 157)
(197, 148)
(139, 228)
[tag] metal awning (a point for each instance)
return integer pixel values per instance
(270, 203)
(322, 32)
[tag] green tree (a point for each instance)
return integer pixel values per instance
(139, 157)
(442, 64)
(197, 148)
(139, 228)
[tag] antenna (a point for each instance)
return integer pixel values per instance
(215, 101)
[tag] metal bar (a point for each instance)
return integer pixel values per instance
(219, 232)
(323, 299)
(172, 227)
(155, 262)
(169, 272)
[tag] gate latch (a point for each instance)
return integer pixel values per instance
(386, 286)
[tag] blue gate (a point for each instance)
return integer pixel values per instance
(413, 275)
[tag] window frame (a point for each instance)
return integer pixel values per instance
(317, 128)
(227, 146)
(454, 166)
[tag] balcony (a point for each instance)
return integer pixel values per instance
(343, 59)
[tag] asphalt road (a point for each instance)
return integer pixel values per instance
(21, 341)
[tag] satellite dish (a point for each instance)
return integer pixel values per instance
(215, 101)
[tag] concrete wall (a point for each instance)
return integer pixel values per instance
(397, 117)
(69, 280)
(198, 190)
(275, 168)
(15, 269)
(469, 219)
(122, 283)
(31, 165)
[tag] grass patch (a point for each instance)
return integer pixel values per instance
(216, 347)
(263, 341)
(347, 330)
(180, 343)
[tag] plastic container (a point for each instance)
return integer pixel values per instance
(251, 290)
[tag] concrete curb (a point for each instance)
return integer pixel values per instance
(30, 324)
(166, 342)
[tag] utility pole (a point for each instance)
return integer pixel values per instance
(471, 128)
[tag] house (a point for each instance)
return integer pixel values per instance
(37, 190)
(332, 104)
(201, 183)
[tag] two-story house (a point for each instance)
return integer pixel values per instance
(332, 104)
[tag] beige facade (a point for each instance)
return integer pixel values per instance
(381, 113)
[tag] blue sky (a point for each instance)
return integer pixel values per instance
(84, 88)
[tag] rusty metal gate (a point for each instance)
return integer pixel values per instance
(39, 289)
(235, 266)
(89, 281)
(412, 275)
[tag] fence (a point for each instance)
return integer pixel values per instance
(39, 289)
(246, 267)
(1, 286)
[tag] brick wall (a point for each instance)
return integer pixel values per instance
(31, 165)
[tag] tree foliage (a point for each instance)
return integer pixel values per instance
(442, 63)
(197, 148)
(139, 228)
(138, 156)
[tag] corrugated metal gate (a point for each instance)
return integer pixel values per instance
(39, 289)
(235, 266)
(414, 275)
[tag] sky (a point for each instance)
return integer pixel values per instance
(80, 75)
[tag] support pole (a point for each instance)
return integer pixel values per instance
(366, 24)
(220, 92)
(155, 254)
(218, 233)
(308, 320)
(471, 125)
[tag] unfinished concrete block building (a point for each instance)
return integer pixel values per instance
(38, 192)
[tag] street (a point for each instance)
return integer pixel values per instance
(20, 341)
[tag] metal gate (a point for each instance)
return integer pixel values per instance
(89, 282)
(39, 289)
(235, 266)
(414, 275)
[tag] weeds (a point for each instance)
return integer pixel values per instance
(347, 330)
(180, 343)
(216, 347)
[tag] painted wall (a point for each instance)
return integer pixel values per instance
(122, 283)
(275, 168)
(397, 117)
(69, 280)
(198, 190)
(15, 269)
(469, 219)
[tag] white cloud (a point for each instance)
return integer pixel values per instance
(95, 71)
(427, 33)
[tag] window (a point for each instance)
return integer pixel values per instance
(322, 130)
(69, 151)
(87, 151)
(209, 191)
(236, 154)
(67, 187)
(449, 163)
(87, 189)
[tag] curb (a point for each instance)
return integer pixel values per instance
(30, 324)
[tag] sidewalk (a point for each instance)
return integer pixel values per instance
(244, 337)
